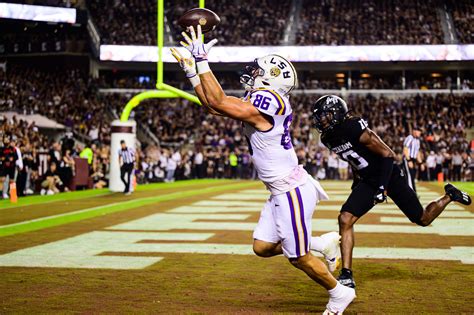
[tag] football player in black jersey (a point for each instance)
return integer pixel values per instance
(375, 175)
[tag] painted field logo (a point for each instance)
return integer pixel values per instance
(231, 211)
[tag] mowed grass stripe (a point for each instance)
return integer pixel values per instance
(60, 219)
(81, 194)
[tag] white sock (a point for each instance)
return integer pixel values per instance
(337, 291)
(317, 243)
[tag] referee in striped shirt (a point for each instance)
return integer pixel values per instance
(126, 162)
(411, 149)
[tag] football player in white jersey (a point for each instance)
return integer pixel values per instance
(285, 221)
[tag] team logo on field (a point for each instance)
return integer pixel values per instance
(202, 21)
(275, 71)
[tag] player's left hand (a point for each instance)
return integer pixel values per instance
(187, 64)
(380, 196)
(195, 45)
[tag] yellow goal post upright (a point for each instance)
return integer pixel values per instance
(124, 129)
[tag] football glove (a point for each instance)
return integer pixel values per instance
(187, 64)
(380, 196)
(195, 44)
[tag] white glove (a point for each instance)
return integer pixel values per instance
(195, 45)
(187, 64)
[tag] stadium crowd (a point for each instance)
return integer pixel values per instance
(321, 22)
(462, 12)
(196, 144)
(378, 22)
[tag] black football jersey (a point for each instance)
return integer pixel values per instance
(343, 139)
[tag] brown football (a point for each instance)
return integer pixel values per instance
(198, 16)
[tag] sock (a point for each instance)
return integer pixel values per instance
(337, 291)
(317, 243)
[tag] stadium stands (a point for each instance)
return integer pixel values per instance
(200, 144)
(321, 22)
(125, 22)
(331, 22)
(462, 12)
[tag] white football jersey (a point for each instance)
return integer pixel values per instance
(272, 151)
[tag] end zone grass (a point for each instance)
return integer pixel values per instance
(214, 284)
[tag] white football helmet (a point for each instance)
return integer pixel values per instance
(273, 72)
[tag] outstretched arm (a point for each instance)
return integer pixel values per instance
(189, 68)
(373, 142)
(216, 98)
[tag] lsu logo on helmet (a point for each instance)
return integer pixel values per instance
(272, 72)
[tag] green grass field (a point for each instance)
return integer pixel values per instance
(185, 247)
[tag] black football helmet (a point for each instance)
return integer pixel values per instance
(330, 108)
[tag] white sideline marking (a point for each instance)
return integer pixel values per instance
(331, 208)
(219, 203)
(440, 227)
(230, 212)
(192, 209)
(241, 196)
(168, 221)
(460, 223)
(64, 214)
(82, 251)
(385, 206)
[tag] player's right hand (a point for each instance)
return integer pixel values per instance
(187, 64)
(195, 44)
(380, 196)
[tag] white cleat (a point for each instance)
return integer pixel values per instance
(332, 252)
(337, 305)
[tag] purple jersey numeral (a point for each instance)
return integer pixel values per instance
(286, 138)
(261, 101)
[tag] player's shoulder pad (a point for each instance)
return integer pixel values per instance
(355, 126)
(268, 102)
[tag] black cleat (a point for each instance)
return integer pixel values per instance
(457, 195)
(346, 278)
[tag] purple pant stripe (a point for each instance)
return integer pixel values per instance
(300, 201)
(293, 223)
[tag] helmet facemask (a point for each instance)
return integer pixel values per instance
(250, 74)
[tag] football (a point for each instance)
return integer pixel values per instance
(198, 16)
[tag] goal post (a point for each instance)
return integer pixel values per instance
(163, 90)
(124, 129)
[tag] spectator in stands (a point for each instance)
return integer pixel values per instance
(8, 157)
(67, 169)
(51, 183)
(431, 165)
(343, 167)
(332, 166)
(457, 162)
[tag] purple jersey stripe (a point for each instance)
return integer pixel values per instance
(300, 201)
(281, 105)
(293, 223)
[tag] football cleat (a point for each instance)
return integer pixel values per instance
(332, 252)
(457, 195)
(336, 306)
(346, 278)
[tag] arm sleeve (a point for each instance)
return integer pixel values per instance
(268, 102)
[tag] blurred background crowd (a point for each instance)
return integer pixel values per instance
(320, 22)
(178, 140)
(195, 144)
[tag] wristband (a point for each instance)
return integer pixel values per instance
(203, 67)
(195, 81)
